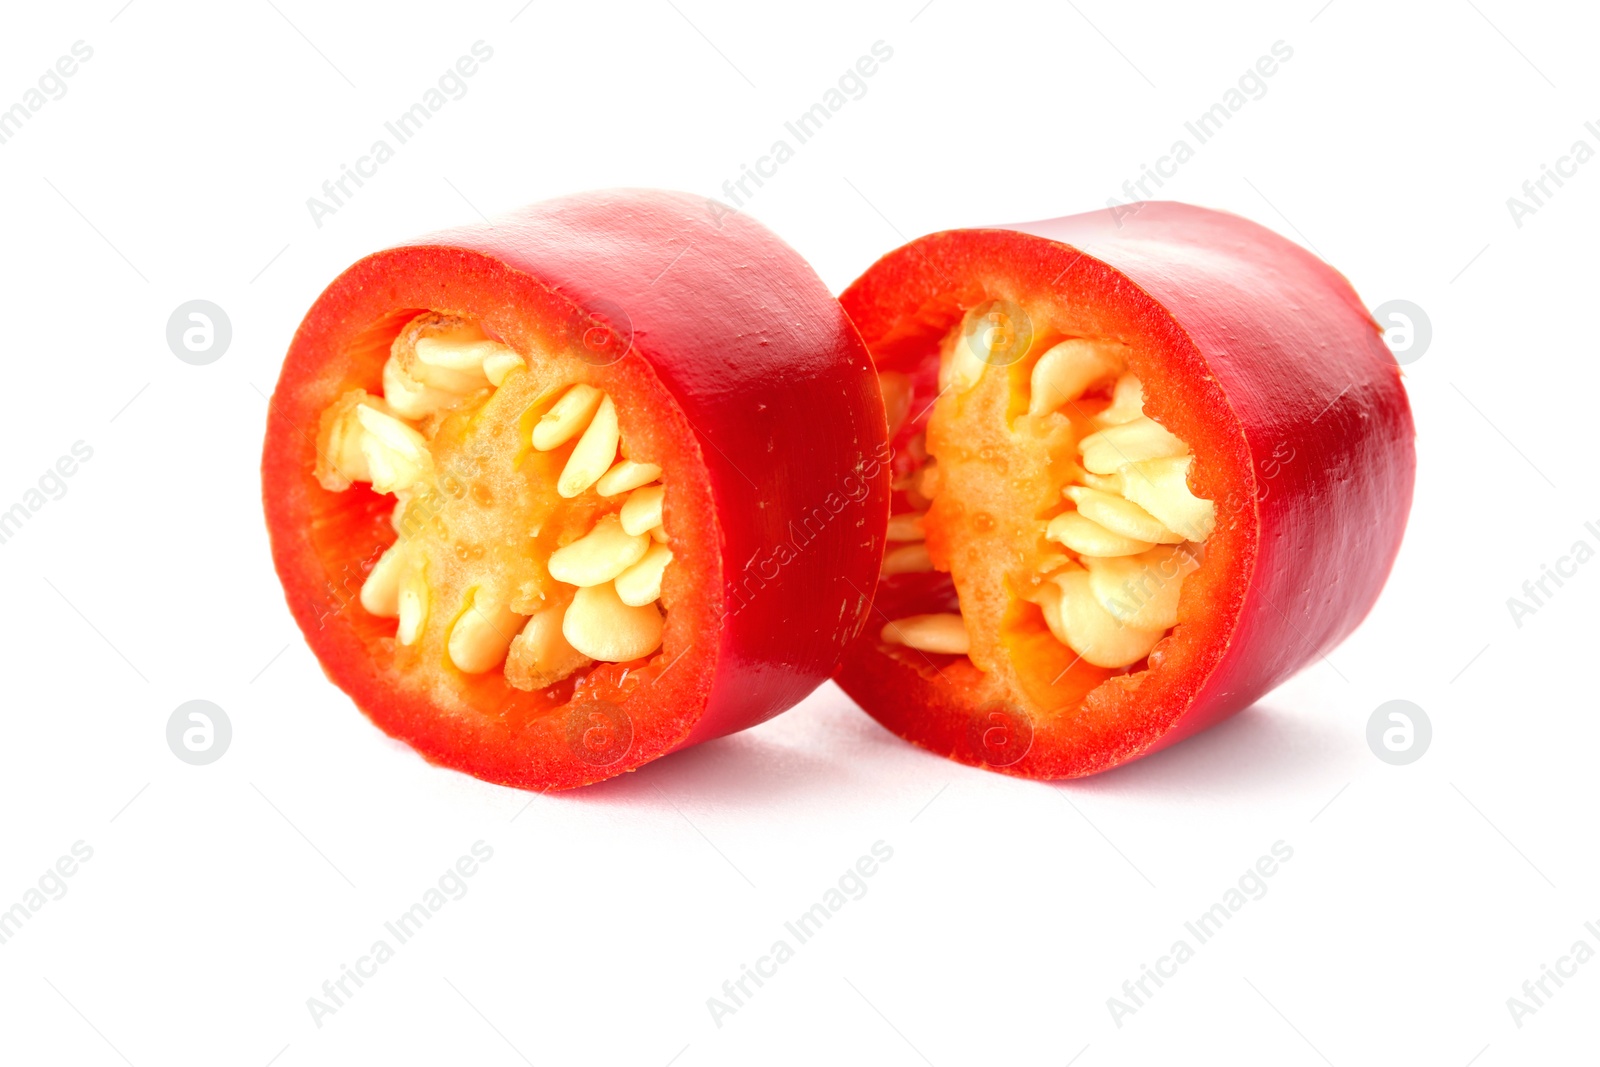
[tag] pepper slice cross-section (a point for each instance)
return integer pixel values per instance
(1146, 467)
(533, 488)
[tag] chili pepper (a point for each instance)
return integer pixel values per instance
(555, 496)
(1148, 464)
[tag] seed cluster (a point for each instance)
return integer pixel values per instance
(605, 604)
(1131, 528)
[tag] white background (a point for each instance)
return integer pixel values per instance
(219, 898)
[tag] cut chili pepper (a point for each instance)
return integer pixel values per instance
(553, 497)
(1148, 464)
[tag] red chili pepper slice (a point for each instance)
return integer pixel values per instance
(1146, 469)
(553, 497)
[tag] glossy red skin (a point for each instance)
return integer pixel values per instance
(745, 370)
(1260, 349)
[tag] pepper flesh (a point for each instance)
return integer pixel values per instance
(1251, 351)
(723, 354)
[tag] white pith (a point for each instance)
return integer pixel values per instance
(1129, 532)
(604, 602)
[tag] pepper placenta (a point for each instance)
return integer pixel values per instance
(555, 496)
(1148, 464)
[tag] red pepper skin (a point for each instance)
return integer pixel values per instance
(744, 374)
(1263, 358)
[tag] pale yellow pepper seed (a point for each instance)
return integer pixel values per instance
(567, 418)
(942, 633)
(595, 452)
(602, 627)
(438, 364)
(641, 583)
(599, 555)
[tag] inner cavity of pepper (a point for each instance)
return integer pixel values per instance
(530, 538)
(1061, 511)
